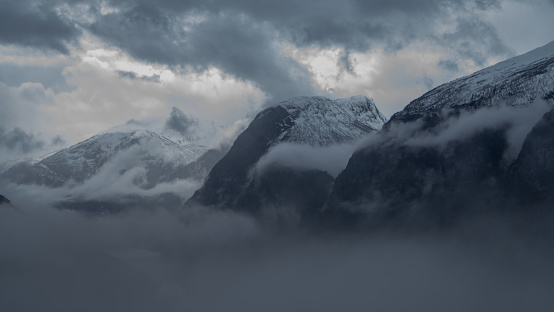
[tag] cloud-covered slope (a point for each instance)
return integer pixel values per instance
(137, 148)
(447, 153)
(313, 121)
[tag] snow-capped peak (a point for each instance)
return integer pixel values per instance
(318, 120)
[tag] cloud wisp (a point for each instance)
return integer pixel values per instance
(332, 159)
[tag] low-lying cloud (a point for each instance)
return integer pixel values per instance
(212, 260)
(332, 159)
(518, 122)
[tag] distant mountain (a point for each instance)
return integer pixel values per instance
(135, 159)
(444, 155)
(316, 121)
(158, 155)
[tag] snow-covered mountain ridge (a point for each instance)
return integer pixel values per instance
(318, 120)
(516, 81)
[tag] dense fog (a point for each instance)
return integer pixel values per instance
(204, 260)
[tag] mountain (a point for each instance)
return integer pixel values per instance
(446, 155)
(515, 82)
(118, 169)
(158, 155)
(314, 121)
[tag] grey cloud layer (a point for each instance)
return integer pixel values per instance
(237, 45)
(35, 24)
(242, 38)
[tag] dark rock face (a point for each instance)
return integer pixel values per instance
(395, 181)
(531, 177)
(4, 200)
(286, 196)
(228, 177)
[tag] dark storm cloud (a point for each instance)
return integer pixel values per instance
(36, 25)
(241, 37)
(235, 44)
(132, 75)
(19, 141)
(345, 63)
(181, 123)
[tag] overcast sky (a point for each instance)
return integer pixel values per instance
(70, 69)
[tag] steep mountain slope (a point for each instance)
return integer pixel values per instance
(302, 120)
(516, 81)
(446, 152)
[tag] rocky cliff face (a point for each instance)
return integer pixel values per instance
(421, 184)
(531, 177)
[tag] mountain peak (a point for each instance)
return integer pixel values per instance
(318, 120)
(304, 102)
